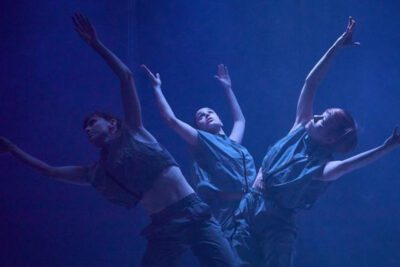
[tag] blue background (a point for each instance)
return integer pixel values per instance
(50, 80)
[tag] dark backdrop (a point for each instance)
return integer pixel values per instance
(50, 79)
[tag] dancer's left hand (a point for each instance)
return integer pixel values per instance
(223, 76)
(393, 140)
(347, 37)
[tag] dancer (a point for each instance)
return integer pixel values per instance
(299, 167)
(134, 168)
(224, 169)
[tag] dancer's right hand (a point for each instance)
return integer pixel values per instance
(84, 28)
(5, 145)
(154, 79)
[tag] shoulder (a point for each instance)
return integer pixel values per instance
(140, 134)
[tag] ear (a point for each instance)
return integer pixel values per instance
(113, 124)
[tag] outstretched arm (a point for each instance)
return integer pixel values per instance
(70, 174)
(306, 100)
(184, 130)
(335, 169)
(130, 99)
(239, 121)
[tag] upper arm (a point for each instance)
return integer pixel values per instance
(304, 110)
(70, 174)
(333, 170)
(184, 130)
(238, 131)
(130, 102)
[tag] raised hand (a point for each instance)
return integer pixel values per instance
(84, 28)
(223, 76)
(347, 37)
(5, 145)
(154, 79)
(393, 140)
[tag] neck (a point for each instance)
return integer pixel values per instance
(108, 140)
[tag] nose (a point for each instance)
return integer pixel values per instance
(87, 129)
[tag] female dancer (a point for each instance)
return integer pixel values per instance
(133, 167)
(299, 167)
(224, 169)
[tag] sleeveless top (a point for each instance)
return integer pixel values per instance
(128, 168)
(221, 165)
(289, 170)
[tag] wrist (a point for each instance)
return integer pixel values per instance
(95, 43)
(386, 147)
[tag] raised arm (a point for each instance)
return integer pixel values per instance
(130, 99)
(335, 169)
(239, 121)
(306, 100)
(70, 174)
(184, 130)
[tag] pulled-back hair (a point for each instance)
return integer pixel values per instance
(344, 132)
(105, 115)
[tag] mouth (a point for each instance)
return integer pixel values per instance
(210, 120)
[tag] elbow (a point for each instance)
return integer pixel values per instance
(126, 74)
(240, 122)
(49, 171)
(310, 80)
(171, 120)
(343, 169)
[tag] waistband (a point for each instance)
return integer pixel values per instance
(175, 209)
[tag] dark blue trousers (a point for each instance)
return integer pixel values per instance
(186, 224)
(263, 234)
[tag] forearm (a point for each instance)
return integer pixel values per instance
(306, 100)
(335, 169)
(184, 130)
(32, 161)
(234, 106)
(365, 158)
(319, 71)
(69, 174)
(117, 66)
(163, 106)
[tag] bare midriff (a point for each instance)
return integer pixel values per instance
(170, 187)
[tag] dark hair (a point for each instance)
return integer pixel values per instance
(344, 132)
(105, 115)
(195, 117)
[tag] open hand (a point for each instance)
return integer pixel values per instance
(347, 37)
(84, 28)
(154, 79)
(223, 76)
(394, 139)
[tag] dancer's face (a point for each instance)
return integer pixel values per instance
(322, 127)
(207, 120)
(99, 130)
